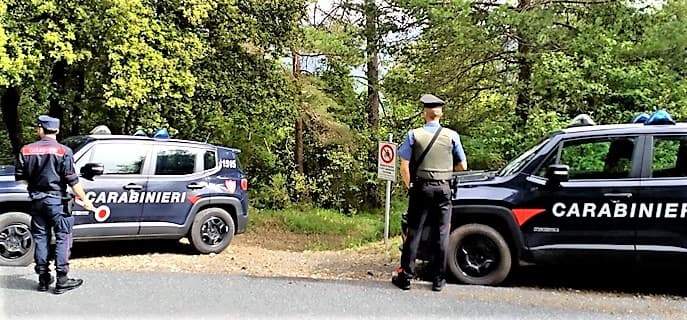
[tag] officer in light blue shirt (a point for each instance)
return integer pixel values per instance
(429, 156)
(405, 151)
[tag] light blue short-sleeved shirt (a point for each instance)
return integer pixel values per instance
(406, 149)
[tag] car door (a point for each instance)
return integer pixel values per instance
(589, 212)
(118, 192)
(662, 229)
(177, 171)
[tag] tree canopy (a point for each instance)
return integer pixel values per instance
(218, 70)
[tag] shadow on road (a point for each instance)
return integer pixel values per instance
(128, 248)
(644, 280)
(607, 278)
(18, 282)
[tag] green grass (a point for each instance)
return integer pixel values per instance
(333, 229)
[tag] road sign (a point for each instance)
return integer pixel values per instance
(386, 163)
(386, 170)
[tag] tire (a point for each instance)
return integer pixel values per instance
(210, 215)
(16, 224)
(477, 239)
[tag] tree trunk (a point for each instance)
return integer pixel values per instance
(9, 105)
(299, 153)
(522, 106)
(372, 51)
(78, 100)
(59, 82)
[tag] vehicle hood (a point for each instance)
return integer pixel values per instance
(481, 186)
(477, 178)
(7, 182)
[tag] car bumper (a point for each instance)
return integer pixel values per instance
(241, 222)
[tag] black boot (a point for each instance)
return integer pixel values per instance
(438, 284)
(402, 280)
(44, 281)
(65, 284)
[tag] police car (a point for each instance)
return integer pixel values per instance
(586, 193)
(142, 188)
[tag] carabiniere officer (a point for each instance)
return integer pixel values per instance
(429, 156)
(48, 167)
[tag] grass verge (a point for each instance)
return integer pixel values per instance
(326, 229)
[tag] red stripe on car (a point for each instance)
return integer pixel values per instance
(524, 215)
(193, 198)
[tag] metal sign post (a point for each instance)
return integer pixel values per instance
(386, 170)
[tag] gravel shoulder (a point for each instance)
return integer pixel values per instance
(248, 255)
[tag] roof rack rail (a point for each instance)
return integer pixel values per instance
(582, 120)
(101, 129)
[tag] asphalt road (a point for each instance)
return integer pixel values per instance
(202, 296)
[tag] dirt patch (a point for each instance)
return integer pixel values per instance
(281, 240)
(274, 256)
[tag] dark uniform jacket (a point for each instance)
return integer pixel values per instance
(47, 166)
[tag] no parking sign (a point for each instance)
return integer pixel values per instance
(386, 163)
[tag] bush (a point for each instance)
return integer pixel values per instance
(350, 230)
(275, 195)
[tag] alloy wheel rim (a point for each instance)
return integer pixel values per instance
(477, 255)
(213, 231)
(15, 241)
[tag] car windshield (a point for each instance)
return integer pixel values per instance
(75, 143)
(521, 160)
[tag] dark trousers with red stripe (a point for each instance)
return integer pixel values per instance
(429, 204)
(47, 214)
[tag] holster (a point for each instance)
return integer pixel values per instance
(67, 204)
(454, 186)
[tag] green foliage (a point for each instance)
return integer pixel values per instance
(275, 195)
(610, 60)
(665, 154)
(213, 70)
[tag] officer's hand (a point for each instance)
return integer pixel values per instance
(88, 205)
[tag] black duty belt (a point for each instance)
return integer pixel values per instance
(56, 194)
(432, 182)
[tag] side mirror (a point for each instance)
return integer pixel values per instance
(91, 170)
(557, 173)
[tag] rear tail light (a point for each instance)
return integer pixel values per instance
(244, 184)
(231, 186)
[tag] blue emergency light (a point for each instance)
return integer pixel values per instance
(660, 117)
(161, 134)
(641, 118)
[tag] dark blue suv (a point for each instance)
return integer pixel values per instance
(142, 188)
(585, 194)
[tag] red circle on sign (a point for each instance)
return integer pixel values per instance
(387, 154)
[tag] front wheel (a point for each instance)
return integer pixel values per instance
(212, 230)
(16, 242)
(479, 255)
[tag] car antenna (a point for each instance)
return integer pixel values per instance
(208, 137)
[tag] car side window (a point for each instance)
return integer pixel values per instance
(175, 161)
(551, 159)
(606, 158)
(209, 160)
(121, 158)
(670, 157)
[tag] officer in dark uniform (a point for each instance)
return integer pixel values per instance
(429, 156)
(48, 168)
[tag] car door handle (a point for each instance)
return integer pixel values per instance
(133, 186)
(618, 195)
(195, 186)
